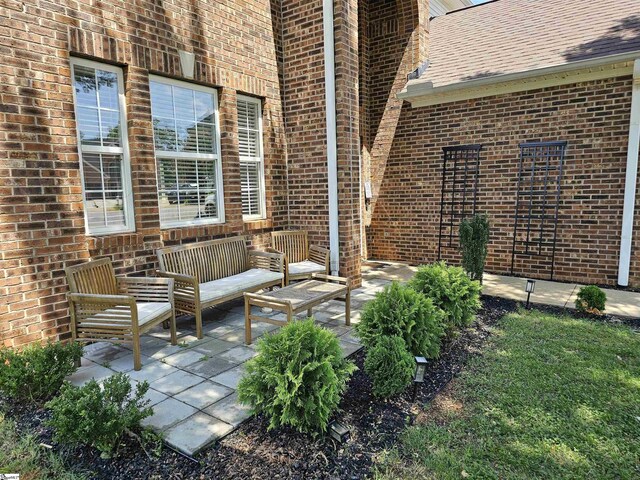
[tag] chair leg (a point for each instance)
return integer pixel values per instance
(199, 323)
(172, 325)
(137, 363)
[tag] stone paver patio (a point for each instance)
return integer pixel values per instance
(193, 384)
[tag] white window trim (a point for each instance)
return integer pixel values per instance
(263, 204)
(213, 156)
(127, 189)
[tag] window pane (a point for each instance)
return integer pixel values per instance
(88, 125)
(183, 119)
(108, 90)
(104, 194)
(250, 147)
(250, 187)
(187, 136)
(110, 128)
(92, 170)
(187, 190)
(84, 80)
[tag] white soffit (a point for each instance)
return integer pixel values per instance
(422, 93)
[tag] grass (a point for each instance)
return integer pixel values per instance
(22, 454)
(551, 397)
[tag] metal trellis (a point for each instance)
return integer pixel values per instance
(535, 223)
(460, 168)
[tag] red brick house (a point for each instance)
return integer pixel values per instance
(126, 126)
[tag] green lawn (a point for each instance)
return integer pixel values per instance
(551, 397)
(22, 454)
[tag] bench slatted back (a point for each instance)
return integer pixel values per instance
(94, 277)
(208, 260)
(294, 244)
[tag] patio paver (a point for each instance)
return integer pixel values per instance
(168, 413)
(204, 394)
(196, 432)
(176, 382)
(230, 410)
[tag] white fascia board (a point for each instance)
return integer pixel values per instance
(422, 93)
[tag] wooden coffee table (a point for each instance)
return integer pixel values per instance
(297, 298)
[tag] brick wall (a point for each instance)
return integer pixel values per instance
(266, 48)
(593, 117)
(41, 211)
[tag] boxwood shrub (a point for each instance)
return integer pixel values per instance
(297, 378)
(451, 290)
(36, 372)
(99, 415)
(591, 299)
(402, 311)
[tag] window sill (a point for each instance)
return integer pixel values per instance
(257, 223)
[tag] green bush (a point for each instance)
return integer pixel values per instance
(96, 415)
(591, 299)
(402, 311)
(451, 290)
(390, 366)
(36, 373)
(297, 378)
(474, 236)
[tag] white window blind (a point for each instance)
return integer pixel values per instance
(251, 157)
(102, 140)
(186, 139)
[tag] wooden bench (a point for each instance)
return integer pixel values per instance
(301, 259)
(104, 307)
(216, 271)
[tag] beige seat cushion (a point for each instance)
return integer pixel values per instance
(306, 267)
(237, 284)
(147, 312)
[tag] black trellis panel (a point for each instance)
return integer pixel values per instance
(535, 223)
(460, 168)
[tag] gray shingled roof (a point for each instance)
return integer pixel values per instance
(510, 36)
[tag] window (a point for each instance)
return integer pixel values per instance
(102, 139)
(251, 158)
(187, 148)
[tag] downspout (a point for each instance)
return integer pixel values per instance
(332, 140)
(630, 181)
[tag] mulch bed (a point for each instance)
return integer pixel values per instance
(254, 452)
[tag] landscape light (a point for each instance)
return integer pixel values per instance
(529, 288)
(338, 432)
(421, 369)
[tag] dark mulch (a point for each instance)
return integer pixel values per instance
(254, 452)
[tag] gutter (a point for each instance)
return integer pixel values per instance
(332, 139)
(631, 177)
(419, 92)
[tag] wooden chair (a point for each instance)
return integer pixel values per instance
(104, 307)
(301, 259)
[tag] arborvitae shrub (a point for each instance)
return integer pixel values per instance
(36, 372)
(474, 237)
(98, 415)
(451, 290)
(390, 366)
(297, 378)
(402, 311)
(591, 299)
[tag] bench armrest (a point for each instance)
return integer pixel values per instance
(147, 289)
(185, 287)
(273, 261)
(319, 255)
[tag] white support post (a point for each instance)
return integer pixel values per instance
(630, 180)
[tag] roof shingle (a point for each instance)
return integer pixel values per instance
(510, 36)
